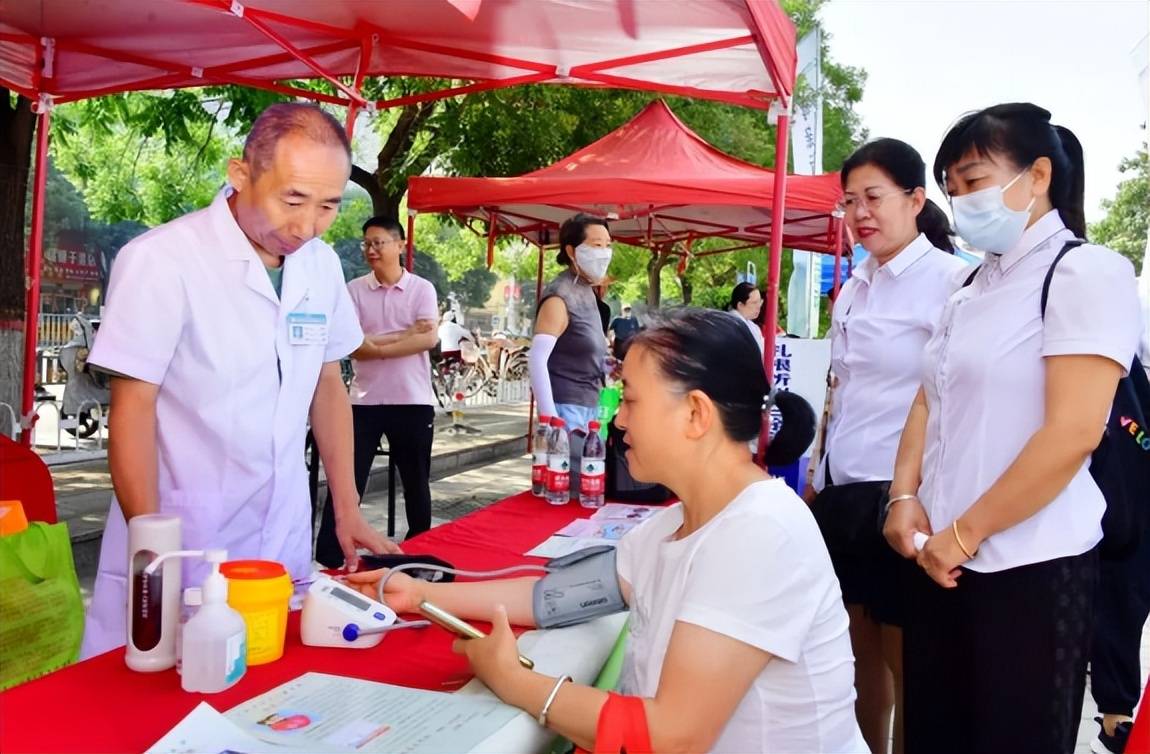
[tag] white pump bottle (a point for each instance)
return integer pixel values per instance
(214, 648)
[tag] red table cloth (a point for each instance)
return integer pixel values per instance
(99, 705)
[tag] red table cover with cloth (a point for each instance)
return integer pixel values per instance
(101, 705)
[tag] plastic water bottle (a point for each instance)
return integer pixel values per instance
(558, 464)
(539, 457)
(593, 469)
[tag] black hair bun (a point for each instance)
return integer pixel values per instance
(797, 432)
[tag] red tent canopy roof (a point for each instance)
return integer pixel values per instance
(738, 51)
(663, 182)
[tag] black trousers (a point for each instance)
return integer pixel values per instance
(997, 665)
(409, 431)
(1120, 610)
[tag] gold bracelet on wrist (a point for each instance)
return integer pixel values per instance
(958, 538)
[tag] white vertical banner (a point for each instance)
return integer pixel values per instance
(1140, 57)
(803, 292)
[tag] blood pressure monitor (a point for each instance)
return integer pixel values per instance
(337, 616)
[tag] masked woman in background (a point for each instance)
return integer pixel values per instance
(569, 347)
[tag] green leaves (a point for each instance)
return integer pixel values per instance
(1127, 215)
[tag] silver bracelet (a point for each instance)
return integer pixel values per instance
(542, 719)
(898, 499)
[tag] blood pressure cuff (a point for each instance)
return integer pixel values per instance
(577, 588)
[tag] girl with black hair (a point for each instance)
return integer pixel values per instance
(993, 463)
(570, 343)
(738, 636)
(881, 321)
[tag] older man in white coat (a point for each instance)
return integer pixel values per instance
(224, 329)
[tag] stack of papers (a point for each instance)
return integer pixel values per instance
(606, 527)
(323, 713)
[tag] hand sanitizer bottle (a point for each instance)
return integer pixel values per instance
(214, 653)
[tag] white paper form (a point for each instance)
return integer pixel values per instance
(327, 713)
(609, 529)
(578, 651)
(626, 511)
(556, 546)
(206, 731)
(606, 527)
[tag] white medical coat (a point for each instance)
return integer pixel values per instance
(191, 309)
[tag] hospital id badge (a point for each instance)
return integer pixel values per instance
(307, 329)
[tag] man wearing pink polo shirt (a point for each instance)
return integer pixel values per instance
(391, 392)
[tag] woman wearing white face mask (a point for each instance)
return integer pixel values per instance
(994, 460)
(569, 346)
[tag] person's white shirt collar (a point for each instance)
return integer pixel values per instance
(914, 251)
(1045, 228)
(374, 284)
(237, 245)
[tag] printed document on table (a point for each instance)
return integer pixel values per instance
(624, 511)
(206, 731)
(606, 527)
(328, 713)
(578, 651)
(556, 546)
(610, 529)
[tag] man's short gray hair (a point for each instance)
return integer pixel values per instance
(287, 118)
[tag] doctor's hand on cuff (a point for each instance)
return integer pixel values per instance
(354, 532)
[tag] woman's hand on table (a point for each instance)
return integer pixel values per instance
(403, 593)
(353, 532)
(494, 658)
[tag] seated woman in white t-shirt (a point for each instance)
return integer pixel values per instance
(739, 639)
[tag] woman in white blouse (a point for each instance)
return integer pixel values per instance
(993, 462)
(747, 304)
(881, 321)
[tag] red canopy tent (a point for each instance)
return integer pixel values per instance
(54, 51)
(658, 181)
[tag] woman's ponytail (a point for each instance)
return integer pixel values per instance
(1068, 184)
(934, 224)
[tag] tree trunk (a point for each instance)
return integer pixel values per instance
(388, 184)
(660, 258)
(688, 289)
(17, 127)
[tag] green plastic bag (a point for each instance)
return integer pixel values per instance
(609, 400)
(41, 612)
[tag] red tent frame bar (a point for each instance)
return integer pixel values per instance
(801, 241)
(172, 74)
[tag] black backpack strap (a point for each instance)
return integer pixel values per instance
(1050, 272)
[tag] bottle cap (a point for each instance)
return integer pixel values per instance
(557, 422)
(544, 419)
(594, 426)
(215, 586)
